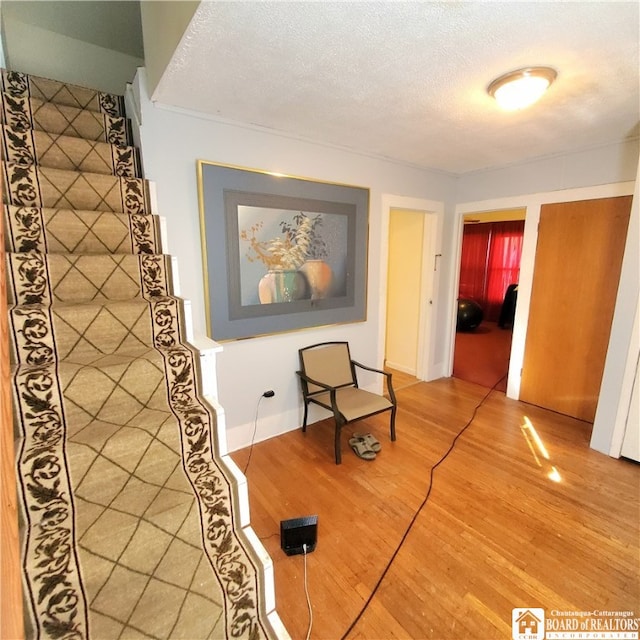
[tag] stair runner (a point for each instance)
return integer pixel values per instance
(129, 524)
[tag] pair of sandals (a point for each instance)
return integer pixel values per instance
(365, 446)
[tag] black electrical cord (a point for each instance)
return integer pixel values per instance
(273, 535)
(255, 430)
(418, 511)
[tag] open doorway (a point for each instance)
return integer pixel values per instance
(410, 275)
(487, 295)
(406, 229)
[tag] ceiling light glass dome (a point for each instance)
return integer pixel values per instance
(521, 88)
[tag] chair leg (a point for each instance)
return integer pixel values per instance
(337, 443)
(393, 424)
(304, 421)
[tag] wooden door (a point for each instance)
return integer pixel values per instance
(575, 282)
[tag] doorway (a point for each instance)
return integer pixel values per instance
(404, 283)
(411, 283)
(487, 291)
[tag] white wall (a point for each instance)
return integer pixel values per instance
(599, 165)
(621, 364)
(31, 49)
(3, 64)
(171, 142)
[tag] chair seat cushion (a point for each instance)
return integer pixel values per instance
(354, 403)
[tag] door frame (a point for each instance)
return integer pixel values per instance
(533, 202)
(426, 366)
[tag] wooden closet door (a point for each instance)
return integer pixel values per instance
(575, 282)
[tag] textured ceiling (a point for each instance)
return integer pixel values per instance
(407, 80)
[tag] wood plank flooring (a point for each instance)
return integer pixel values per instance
(496, 532)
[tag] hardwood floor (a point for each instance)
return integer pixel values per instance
(496, 532)
(401, 379)
(482, 356)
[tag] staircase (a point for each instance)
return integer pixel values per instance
(132, 525)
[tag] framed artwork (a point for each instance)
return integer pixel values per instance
(280, 253)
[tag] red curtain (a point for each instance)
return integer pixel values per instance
(490, 263)
(473, 267)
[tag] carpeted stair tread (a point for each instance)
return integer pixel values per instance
(22, 113)
(21, 84)
(46, 230)
(134, 509)
(35, 278)
(33, 186)
(31, 146)
(117, 387)
(120, 400)
(86, 331)
(114, 389)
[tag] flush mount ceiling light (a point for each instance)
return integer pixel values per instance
(521, 88)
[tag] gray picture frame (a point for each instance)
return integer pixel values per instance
(244, 214)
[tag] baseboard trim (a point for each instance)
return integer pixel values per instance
(400, 367)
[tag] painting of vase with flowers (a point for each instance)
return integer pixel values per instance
(290, 255)
(280, 253)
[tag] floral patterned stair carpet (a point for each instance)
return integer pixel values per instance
(129, 521)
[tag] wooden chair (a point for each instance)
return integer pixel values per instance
(328, 379)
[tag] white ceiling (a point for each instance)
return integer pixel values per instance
(407, 80)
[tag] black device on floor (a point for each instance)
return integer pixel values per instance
(297, 532)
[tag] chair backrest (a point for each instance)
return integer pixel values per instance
(328, 362)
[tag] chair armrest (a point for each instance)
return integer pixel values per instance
(386, 374)
(332, 390)
(309, 380)
(364, 366)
